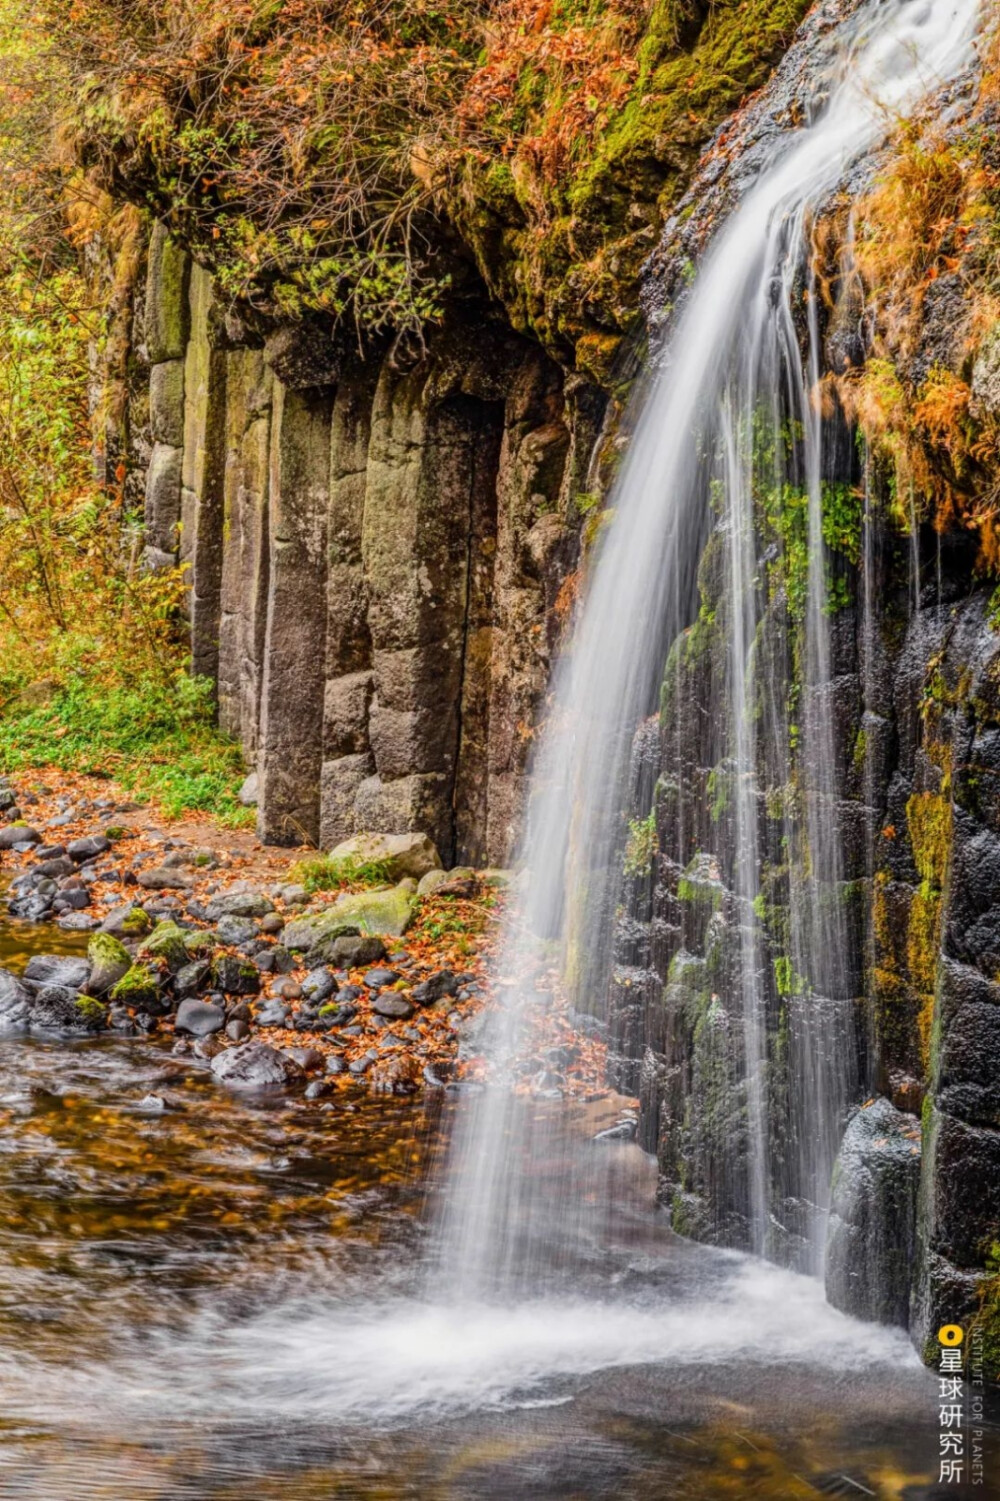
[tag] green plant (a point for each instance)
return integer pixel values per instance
(642, 846)
(323, 873)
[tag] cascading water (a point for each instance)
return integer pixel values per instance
(730, 428)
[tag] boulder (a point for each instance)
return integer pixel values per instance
(109, 960)
(254, 1065)
(57, 969)
(83, 850)
(191, 978)
(236, 930)
(169, 943)
(400, 854)
(165, 878)
(137, 988)
(871, 1238)
(16, 834)
(384, 911)
(58, 1008)
(15, 1001)
(394, 1007)
(235, 976)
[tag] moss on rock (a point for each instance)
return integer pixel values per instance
(138, 988)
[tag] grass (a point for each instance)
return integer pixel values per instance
(155, 738)
(323, 873)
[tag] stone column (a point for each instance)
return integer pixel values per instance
(291, 727)
(347, 758)
(167, 318)
(202, 477)
(245, 558)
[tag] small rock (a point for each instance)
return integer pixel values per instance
(139, 987)
(82, 850)
(254, 1065)
(58, 865)
(127, 921)
(295, 896)
(236, 930)
(435, 988)
(363, 1064)
(318, 986)
(272, 1015)
(377, 979)
(396, 1007)
(237, 1029)
(248, 793)
(78, 922)
(353, 952)
(235, 976)
(335, 1065)
(191, 978)
(317, 1088)
(19, 835)
(207, 1047)
(290, 989)
(272, 922)
(151, 1104)
(163, 878)
(239, 904)
(15, 1000)
(308, 1059)
(119, 1021)
(200, 1018)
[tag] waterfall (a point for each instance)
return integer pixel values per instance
(729, 419)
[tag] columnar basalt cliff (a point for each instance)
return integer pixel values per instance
(375, 548)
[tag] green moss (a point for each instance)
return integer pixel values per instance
(137, 923)
(93, 1012)
(929, 820)
(167, 943)
(641, 846)
(105, 949)
(136, 988)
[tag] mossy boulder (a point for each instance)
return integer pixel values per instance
(167, 943)
(137, 988)
(110, 961)
(235, 976)
(387, 911)
(128, 921)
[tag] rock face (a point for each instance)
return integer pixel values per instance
(375, 553)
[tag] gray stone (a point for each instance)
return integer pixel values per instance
(395, 1007)
(165, 878)
(353, 952)
(163, 502)
(83, 850)
(58, 1008)
(401, 854)
(239, 904)
(236, 930)
(341, 780)
(191, 978)
(318, 986)
(18, 834)
(57, 969)
(248, 793)
(15, 1001)
(200, 1018)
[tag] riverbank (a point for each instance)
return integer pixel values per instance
(272, 967)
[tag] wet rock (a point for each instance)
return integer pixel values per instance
(399, 854)
(308, 1059)
(317, 1088)
(353, 951)
(318, 986)
(378, 979)
(83, 850)
(395, 1007)
(59, 865)
(237, 1029)
(399, 1075)
(236, 930)
(167, 943)
(109, 961)
(335, 1065)
(191, 978)
(254, 1065)
(120, 1021)
(57, 969)
(235, 976)
(207, 1047)
(871, 1239)
(435, 988)
(200, 1018)
(363, 1064)
(127, 921)
(57, 1008)
(239, 904)
(78, 922)
(18, 834)
(274, 1014)
(15, 1001)
(337, 1015)
(139, 988)
(150, 1104)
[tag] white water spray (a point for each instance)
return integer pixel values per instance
(734, 361)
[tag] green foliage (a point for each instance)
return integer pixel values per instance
(155, 738)
(642, 846)
(323, 873)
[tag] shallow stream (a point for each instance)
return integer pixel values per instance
(207, 1297)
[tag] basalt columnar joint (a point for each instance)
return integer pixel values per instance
(375, 549)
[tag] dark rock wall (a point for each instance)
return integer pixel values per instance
(375, 550)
